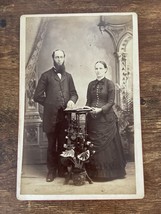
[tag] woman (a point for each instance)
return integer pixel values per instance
(108, 162)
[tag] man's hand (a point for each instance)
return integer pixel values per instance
(70, 104)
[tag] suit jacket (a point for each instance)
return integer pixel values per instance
(54, 93)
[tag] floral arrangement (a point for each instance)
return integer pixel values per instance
(78, 151)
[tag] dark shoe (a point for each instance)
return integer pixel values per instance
(50, 176)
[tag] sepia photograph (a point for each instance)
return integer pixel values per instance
(79, 108)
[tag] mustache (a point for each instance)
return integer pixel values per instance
(57, 65)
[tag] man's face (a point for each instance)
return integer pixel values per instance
(59, 57)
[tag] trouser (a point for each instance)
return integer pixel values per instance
(56, 140)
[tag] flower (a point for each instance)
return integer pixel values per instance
(68, 153)
(84, 155)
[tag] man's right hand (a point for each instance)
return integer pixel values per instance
(70, 104)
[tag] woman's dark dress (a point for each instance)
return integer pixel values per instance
(108, 162)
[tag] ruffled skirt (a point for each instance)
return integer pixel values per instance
(108, 162)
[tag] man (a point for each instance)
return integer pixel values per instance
(55, 91)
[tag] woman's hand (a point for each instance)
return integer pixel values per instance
(95, 111)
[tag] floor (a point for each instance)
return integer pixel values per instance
(33, 183)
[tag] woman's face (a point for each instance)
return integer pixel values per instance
(100, 70)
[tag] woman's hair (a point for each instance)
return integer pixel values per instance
(103, 63)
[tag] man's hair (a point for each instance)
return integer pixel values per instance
(53, 54)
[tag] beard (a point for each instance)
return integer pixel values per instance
(59, 68)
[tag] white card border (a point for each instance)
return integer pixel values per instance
(137, 117)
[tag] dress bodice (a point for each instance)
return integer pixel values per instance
(101, 94)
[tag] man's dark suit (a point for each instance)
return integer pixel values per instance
(54, 93)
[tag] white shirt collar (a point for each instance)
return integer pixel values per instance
(59, 75)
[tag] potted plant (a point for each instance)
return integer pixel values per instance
(77, 153)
